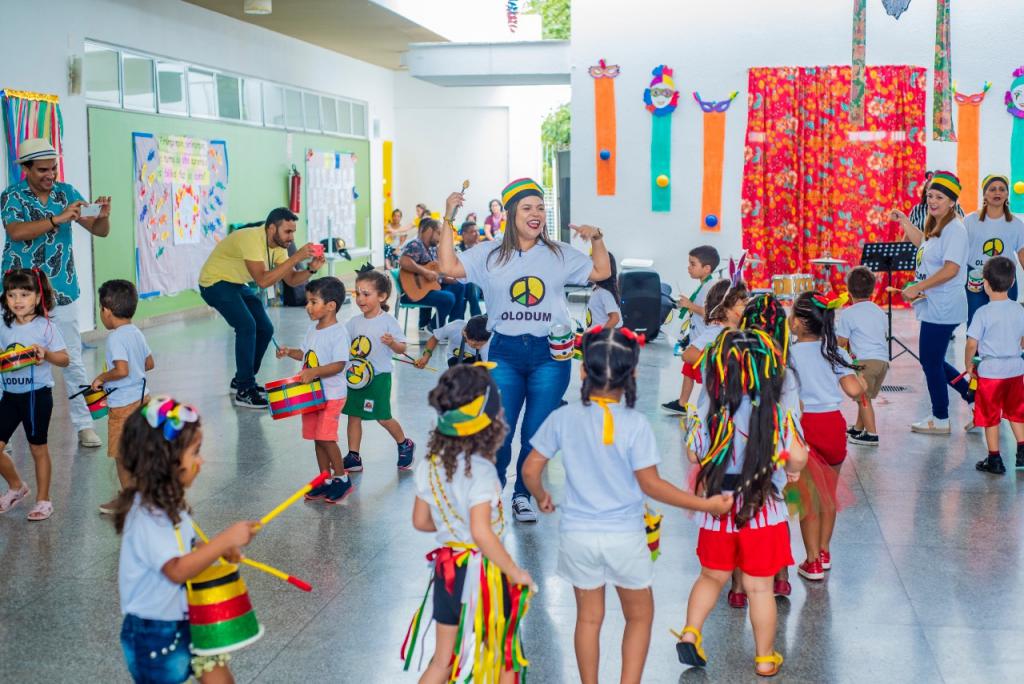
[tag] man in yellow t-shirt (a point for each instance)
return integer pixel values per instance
(253, 254)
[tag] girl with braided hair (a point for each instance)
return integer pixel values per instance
(611, 462)
(745, 441)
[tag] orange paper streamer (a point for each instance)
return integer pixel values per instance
(604, 125)
(714, 159)
(968, 124)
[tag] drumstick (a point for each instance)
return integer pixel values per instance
(896, 290)
(277, 347)
(315, 482)
(465, 186)
(411, 363)
(294, 581)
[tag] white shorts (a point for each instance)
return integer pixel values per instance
(589, 560)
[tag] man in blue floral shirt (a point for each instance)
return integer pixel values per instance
(37, 213)
(449, 301)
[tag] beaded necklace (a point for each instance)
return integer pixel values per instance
(437, 486)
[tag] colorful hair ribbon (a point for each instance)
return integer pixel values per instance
(163, 411)
(639, 338)
(830, 303)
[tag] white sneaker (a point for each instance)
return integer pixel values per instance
(931, 426)
(88, 438)
(523, 510)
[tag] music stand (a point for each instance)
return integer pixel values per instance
(890, 257)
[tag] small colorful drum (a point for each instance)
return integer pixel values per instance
(975, 282)
(561, 342)
(220, 615)
(291, 397)
(97, 403)
(17, 357)
(359, 373)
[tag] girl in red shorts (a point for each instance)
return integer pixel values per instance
(746, 439)
(825, 373)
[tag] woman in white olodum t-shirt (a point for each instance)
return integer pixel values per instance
(522, 278)
(938, 294)
(993, 231)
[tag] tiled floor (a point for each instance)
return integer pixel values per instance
(927, 584)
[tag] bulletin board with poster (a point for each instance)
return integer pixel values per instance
(331, 195)
(180, 190)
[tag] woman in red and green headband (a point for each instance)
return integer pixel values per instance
(523, 278)
(937, 293)
(993, 231)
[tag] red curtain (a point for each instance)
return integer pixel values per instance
(812, 184)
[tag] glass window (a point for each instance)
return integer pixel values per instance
(329, 114)
(170, 79)
(252, 110)
(359, 120)
(344, 117)
(138, 82)
(102, 74)
(273, 105)
(202, 95)
(228, 105)
(293, 109)
(311, 105)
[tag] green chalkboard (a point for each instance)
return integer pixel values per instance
(258, 160)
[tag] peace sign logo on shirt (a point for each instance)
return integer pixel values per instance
(993, 247)
(361, 346)
(527, 291)
(590, 318)
(311, 361)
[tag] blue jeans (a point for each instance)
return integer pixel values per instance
(937, 373)
(526, 375)
(244, 312)
(976, 300)
(156, 651)
(473, 297)
(449, 302)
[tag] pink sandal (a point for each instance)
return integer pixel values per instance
(12, 497)
(41, 511)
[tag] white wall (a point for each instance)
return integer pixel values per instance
(710, 46)
(492, 152)
(178, 30)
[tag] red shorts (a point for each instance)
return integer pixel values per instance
(758, 552)
(692, 371)
(322, 425)
(997, 399)
(825, 434)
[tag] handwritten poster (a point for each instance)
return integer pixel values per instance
(331, 195)
(181, 193)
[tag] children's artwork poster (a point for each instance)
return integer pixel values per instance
(181, 194)
(331, 196)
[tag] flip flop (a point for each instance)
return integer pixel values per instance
(41, 511)
(12, 497)
(690, 654)
(775, 659)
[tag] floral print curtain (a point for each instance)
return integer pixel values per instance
(815, 185)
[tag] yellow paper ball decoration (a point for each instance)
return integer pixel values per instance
(662, 181)
(1018, 187)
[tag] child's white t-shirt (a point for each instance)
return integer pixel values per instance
(819, 381)
(329, 345)
(525, 295)
(601, 306)
(864, 324)
(601, 490)
(147, 544)
(697, 323)
(365, 334)
(451, 334)
(462, 493)
(998, 327)
(126, 343)
(42, 331)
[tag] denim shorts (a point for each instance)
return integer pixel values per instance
(157, 651)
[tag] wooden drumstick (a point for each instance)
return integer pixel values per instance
(315, 482)
(465, 186)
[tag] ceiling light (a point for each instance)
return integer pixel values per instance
(258, 6)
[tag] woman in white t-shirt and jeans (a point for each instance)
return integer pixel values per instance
(522, 278)
(937, 293)
(993, 231)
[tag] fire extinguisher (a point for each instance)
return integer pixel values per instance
(294, 190)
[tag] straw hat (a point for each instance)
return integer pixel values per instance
(32, 149)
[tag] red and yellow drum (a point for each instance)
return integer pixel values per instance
(220, 615)
(292, 397)
(17, 357)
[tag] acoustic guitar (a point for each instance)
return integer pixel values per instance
(416, 286)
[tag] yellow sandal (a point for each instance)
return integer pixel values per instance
(690, 654)
(775, 659)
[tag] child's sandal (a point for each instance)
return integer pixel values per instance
(776, 661)
(690, 654)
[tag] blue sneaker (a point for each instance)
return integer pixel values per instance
(318, 492)
(338, 490)
(352, 462)
(405, 450)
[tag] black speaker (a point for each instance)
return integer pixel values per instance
(640, 299)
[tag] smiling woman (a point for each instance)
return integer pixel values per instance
(522, 278)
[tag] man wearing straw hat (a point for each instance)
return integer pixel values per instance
(37, 213)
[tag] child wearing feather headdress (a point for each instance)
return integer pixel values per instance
(746, 439)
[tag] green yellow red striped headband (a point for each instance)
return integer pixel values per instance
(520, 188)
(993, 178)
(472, 417)
(947, 183)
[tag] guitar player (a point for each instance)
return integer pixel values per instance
(421, 281)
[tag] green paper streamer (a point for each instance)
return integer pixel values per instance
(857, 83)
(942, 105)
(1016, 139)
(661, 162)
